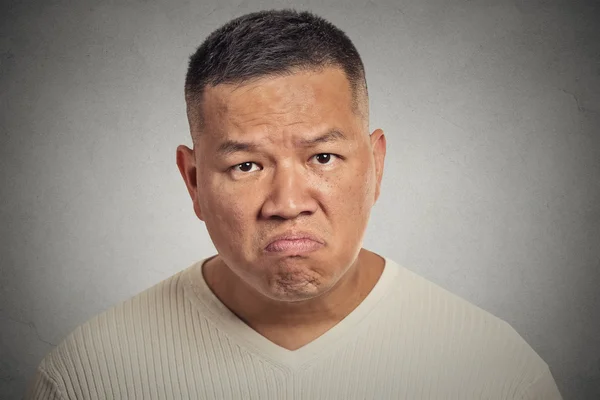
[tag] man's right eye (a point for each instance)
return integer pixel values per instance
(247, 166)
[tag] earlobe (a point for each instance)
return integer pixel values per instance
(186, 162)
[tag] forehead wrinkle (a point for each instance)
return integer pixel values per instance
(270, 98)
(244, 107)
(268, 120)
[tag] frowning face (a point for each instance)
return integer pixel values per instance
(284, 174)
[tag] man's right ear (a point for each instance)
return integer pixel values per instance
(186, 162)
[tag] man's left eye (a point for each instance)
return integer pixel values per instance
(324, 158)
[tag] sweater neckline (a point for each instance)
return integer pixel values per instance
(198, 292)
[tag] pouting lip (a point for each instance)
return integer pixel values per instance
(295, 235)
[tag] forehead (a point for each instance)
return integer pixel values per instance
(320, 97)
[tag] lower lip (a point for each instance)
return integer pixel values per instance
(294, 246)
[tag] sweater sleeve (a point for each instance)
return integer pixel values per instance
(43, 387)
(543, 388)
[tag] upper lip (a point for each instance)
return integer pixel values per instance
(295, 235)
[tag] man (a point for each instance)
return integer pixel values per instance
(284, 173)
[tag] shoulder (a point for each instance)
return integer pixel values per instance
(132, 317)
(429, 303)
(118, 340)
(461, 336)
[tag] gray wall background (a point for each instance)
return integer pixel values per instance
(491, 188)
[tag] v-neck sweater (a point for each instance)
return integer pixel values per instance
(408, 339)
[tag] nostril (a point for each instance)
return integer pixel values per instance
(277, 218)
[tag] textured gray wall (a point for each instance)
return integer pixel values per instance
(491, 189)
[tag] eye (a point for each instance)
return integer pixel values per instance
(324, 158)
(247, 166)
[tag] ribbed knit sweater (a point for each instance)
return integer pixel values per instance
(408, 339)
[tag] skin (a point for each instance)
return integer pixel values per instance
(325, 188)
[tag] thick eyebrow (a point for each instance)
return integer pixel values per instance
(229, 147)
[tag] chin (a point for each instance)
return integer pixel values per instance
(294, 293)
(292, 282)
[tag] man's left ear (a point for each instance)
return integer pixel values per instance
(378, 146)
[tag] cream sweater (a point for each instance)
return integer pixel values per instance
(409, 339)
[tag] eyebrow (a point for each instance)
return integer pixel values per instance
(229, 147)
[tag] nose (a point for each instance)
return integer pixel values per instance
(290, 194)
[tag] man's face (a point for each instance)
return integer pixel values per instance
(285, 177)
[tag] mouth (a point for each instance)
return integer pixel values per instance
(294, 244)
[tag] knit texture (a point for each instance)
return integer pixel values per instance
(408, 339)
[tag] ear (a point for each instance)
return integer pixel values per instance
(378, 146)
(186, 162)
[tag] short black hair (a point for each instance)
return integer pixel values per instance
(274, 42)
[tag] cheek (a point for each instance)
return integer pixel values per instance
(360, 193)
(353, 191)
(226, 214)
